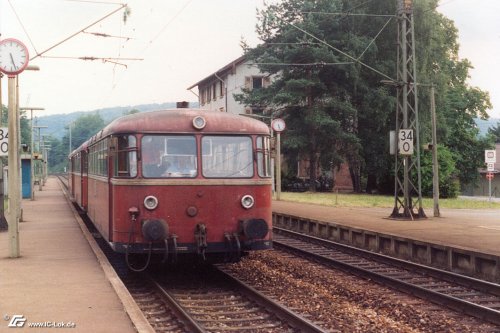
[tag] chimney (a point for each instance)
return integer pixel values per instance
(182, 105)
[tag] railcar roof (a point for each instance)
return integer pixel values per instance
(181, 121)
(83, 146)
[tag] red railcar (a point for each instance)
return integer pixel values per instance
(177, 182)
(78, 180)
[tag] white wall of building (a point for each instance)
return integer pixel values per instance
(233, 82)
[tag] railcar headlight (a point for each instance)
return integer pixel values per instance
(150, 202)
(199, 122)
(247, 201)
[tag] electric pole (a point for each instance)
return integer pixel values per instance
(407, 192)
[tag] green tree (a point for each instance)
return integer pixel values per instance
(310, 91)
(25, 124)
(457, 103)
(4, 115)
(495, 132)
(448, 182)
(82, 129)
(337, 109)
(132, 111)
(57, 160)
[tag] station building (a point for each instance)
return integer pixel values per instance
(216, 92)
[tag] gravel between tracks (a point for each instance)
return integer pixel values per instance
(345, 303)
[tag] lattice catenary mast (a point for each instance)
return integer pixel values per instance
(407, 192)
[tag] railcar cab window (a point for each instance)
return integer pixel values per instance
(263, 157)
(227, 156)
(169, 156)
(126, 156)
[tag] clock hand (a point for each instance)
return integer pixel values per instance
(12, 59)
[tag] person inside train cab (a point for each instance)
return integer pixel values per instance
(156, 167)
(181, 165)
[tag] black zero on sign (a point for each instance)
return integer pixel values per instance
(4, 147)
(406, 146)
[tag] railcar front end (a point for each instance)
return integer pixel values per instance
(189, 182)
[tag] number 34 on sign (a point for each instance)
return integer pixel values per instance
(4, 141)
(405, 143)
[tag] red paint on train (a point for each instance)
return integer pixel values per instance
(177, 181)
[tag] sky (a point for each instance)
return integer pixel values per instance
(164, 47)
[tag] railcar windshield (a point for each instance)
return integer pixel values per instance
(227, 156)
(166, 156)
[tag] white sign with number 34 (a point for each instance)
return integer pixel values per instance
(4, 141)
(405, 142)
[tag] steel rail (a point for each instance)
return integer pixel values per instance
(465, 281)
(179, 311)
(277, 310)
(294, 319)
(441, 298)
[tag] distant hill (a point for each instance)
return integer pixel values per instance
(57, 124)
(483, 125)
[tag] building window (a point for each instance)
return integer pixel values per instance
(214, 91)
(221, 89)
(256, 82)
(203, 95)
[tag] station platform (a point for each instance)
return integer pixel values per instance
(472, 229)
(461, 240)
(59, 281)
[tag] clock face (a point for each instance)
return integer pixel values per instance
(14, 56)
(278, 125)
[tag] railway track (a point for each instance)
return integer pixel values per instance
(213, 301)
(209, 299)
(473, 297)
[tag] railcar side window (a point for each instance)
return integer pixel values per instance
(263, 156)
(77, 163)
(126, 156)
(167, 156)
(227, 156)
(98, 159)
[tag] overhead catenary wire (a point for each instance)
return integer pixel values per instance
(349, 14)
(320, 41)
(96, 2)
(101, 34)
(374, 38)
(90, 58)
(152, 40)
(312, 64)
(342, 52)
(79, 31)
(22, 25)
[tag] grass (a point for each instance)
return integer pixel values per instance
(382, 201)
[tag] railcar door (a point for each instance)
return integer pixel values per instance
(111, 167)
(71, 174)
(122, 167)
(84, 177)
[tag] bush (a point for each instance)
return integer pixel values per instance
(449, 186)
